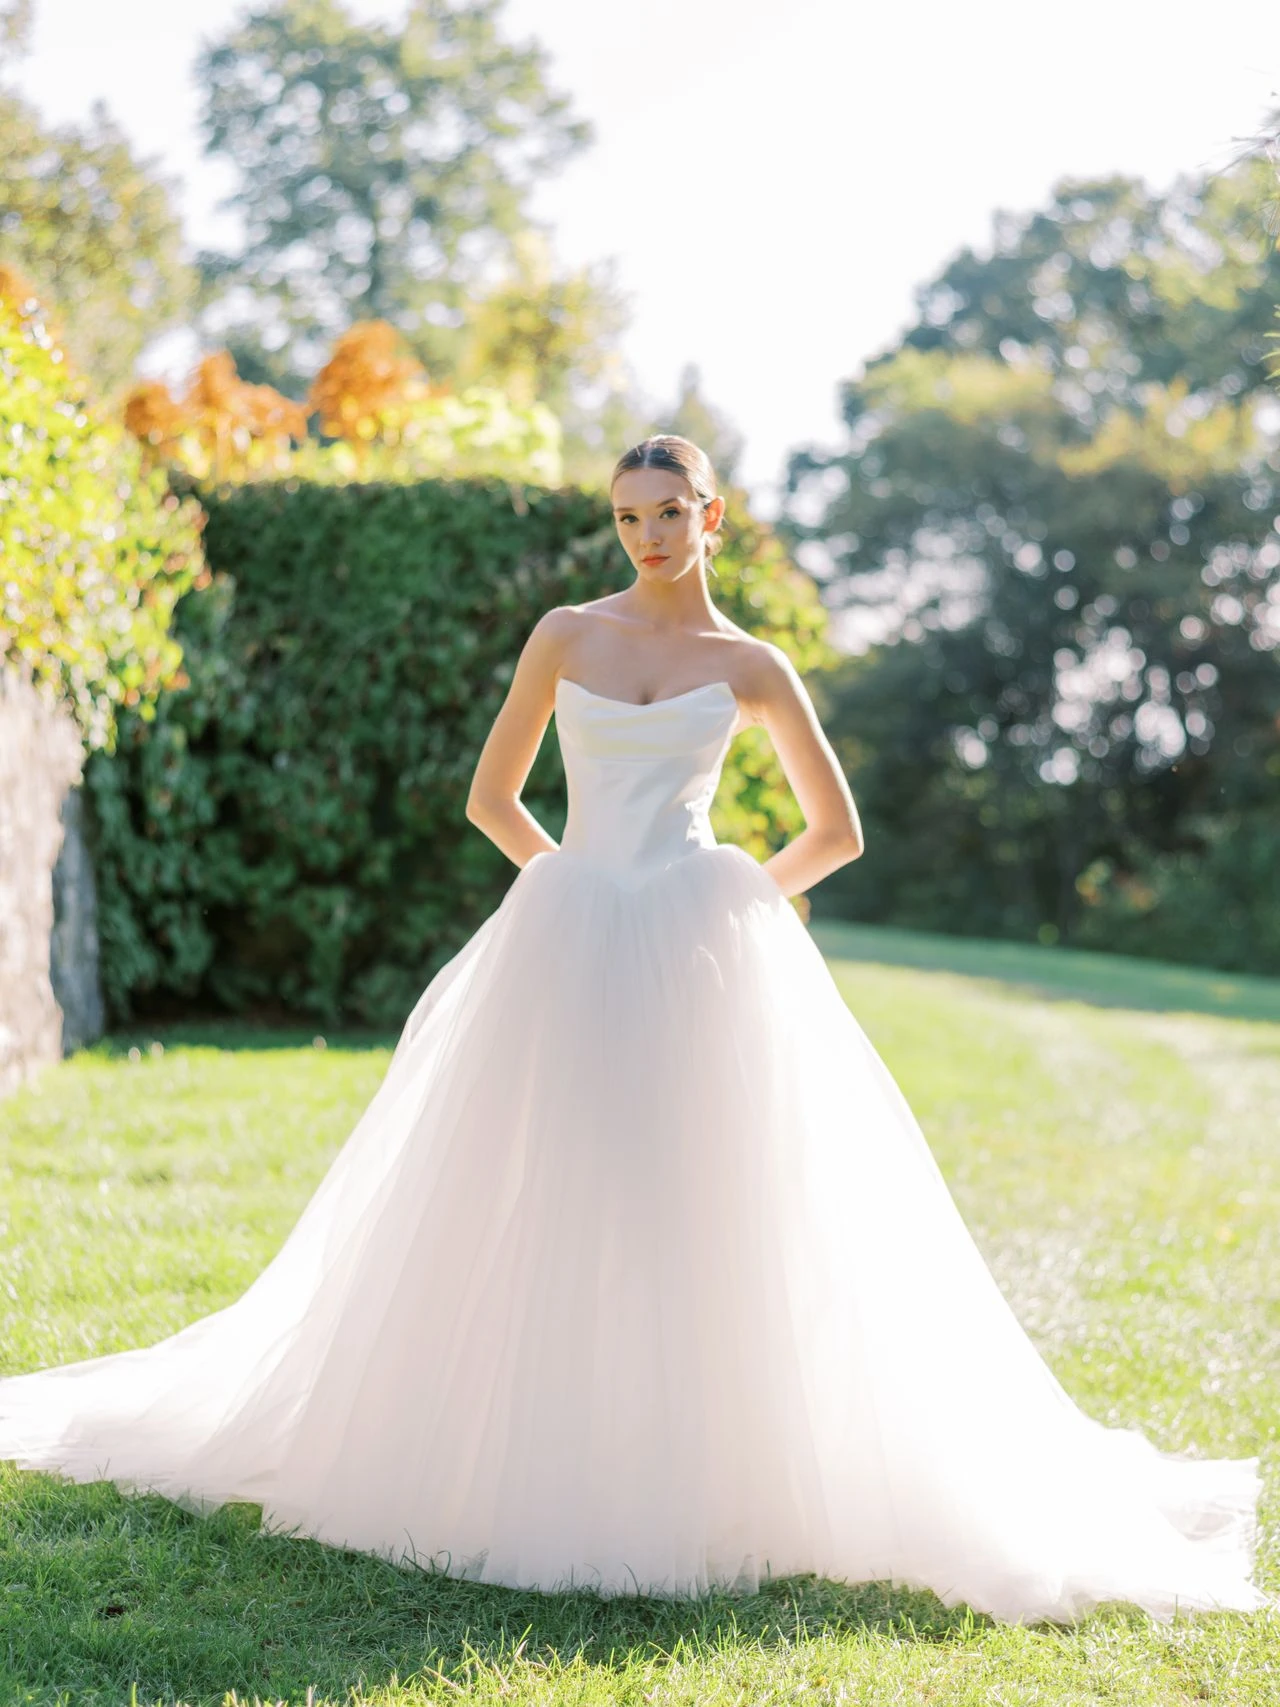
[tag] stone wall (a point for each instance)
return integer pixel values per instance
(73, 952)
(40, 804)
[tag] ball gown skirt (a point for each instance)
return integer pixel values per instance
(638, 1275)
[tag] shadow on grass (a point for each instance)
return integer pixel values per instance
(100, 1593)
(1062, 974)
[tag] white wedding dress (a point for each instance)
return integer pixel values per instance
(637, 1274)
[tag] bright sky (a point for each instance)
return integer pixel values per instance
(773, 180)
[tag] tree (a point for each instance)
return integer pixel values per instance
(383, 170)
(94, 230)
(550, 337)
(694, 418)
(368, 384)
(15, 27)
(221, 428)
(372, 399)
(1116, 288)
(539, 333)
(395, 425)
(1059, 546)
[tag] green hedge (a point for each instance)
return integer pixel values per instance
(288, 836)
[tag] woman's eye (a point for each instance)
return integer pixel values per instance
(626, 518)
(671, 512)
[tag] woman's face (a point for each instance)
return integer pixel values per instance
(661, 522)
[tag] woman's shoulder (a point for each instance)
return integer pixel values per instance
(752, 653)
(605, 605)
(565, 621)
(561, 631)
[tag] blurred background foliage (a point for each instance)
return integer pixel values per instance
(377, 417)
(1051, 534)
(94, 232)
(381, 168)
(383, 172)
(1035, 588)
(94, 550)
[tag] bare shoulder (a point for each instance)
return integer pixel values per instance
(557, 624)
(767, 682)
(563, 624)
(554, 633)
(604, 604)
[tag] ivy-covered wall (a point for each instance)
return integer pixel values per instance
(288, 835)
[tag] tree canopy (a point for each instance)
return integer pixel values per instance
(1052, 523)
(15, 26)
(94, 230)
(382, 169)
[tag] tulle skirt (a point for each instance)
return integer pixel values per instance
(638, 1275)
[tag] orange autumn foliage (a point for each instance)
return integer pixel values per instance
(151, 415)
(368, 384)
(221, 422)
(15, 287)
(217, 393)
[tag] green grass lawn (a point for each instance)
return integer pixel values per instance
(1111, 1131)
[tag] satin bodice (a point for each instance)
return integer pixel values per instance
(641, 778)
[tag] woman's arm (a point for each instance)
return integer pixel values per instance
(494, 804)
(776, 697)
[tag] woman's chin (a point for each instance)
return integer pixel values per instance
(661, 574)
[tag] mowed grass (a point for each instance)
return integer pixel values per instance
(1110, 1134)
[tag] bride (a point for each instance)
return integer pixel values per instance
(638, 1273)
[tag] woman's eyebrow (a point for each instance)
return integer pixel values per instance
(626, 509)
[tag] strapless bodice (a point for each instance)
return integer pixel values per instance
(641, 778)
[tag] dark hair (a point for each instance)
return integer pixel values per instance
(683, 457)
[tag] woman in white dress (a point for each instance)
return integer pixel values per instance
(637, 1273)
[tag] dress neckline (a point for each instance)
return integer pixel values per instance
(647, 704)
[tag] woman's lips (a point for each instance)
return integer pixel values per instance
(649, 560)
